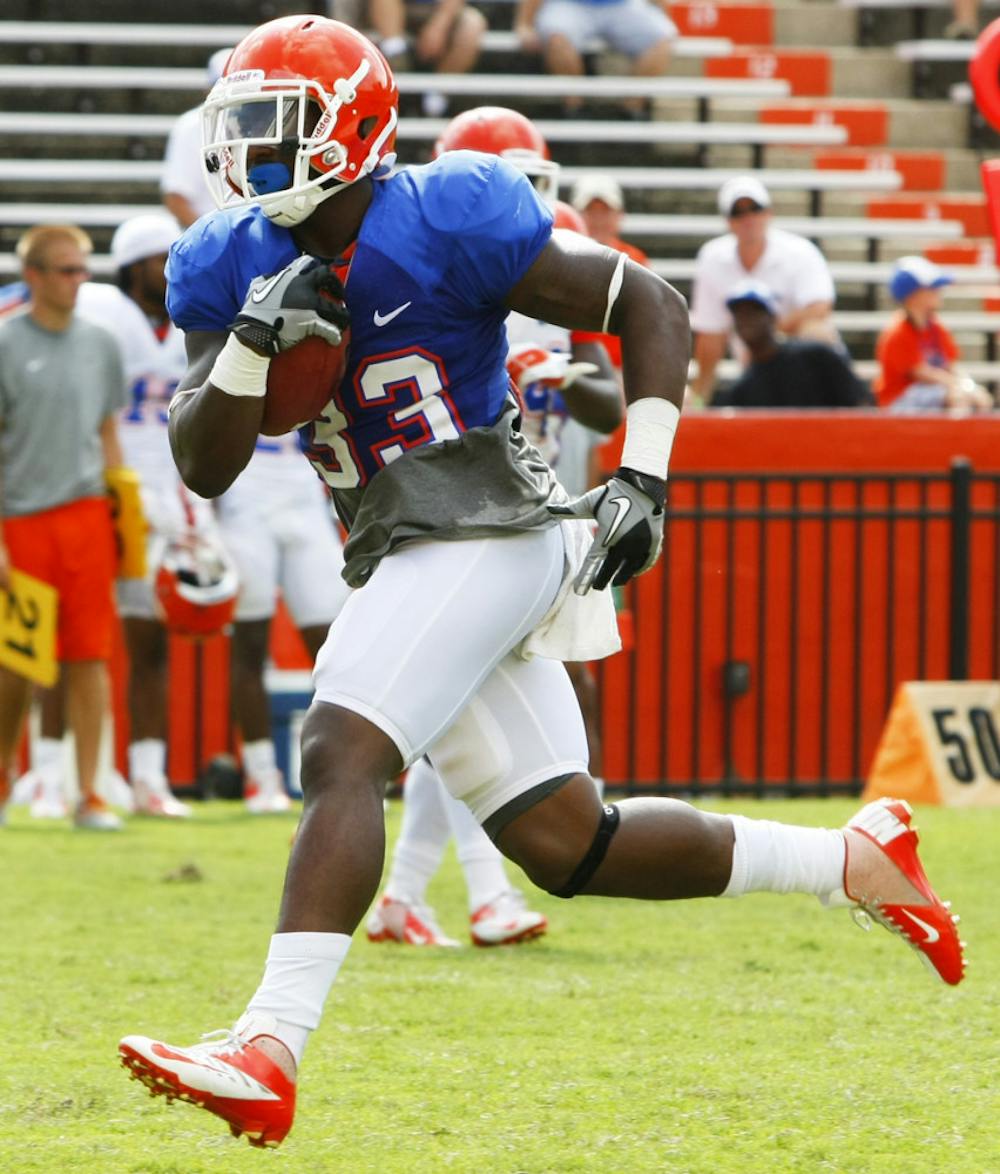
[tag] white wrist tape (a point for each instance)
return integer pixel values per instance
(240, 371)
(649, 436)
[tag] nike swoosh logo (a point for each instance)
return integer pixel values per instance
(622, 505)
(261, 292)
(383, 319)
(929, 930)
(213, 1076)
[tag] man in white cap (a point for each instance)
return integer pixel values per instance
(182, 184)
(792, 268)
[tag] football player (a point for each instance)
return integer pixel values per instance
(557, 379)
(476, 576)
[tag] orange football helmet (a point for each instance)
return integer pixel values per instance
(304, 106)
(495, 130)
(196, 586)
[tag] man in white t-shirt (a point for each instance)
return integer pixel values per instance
(792, 267)
(182, 184)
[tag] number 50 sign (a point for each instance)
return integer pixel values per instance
(941, 744)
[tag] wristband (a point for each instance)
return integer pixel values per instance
(240, 371)
(649, 435)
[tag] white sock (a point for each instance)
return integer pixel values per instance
(47, 756)
(147, 759)
(299, 972)
(258, 758)
(423, 836)
(774, 857)
(482, 864)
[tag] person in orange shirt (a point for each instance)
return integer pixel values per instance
(599, 200)
(917, 354)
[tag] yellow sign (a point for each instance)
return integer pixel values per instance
(28, 628)
(940, 744)
(124, 489)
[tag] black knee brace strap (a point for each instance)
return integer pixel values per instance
(610, 818)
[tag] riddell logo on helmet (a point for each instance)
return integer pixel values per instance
(243, 75)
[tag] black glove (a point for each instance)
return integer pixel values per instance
(629, 515)
(303, 299)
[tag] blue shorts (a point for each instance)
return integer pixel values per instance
(626, 26)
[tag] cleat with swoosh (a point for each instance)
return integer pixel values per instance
(229, 1075)
(898, 894)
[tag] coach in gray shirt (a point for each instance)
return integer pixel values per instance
(61, 384)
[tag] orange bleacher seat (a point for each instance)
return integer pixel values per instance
(808, 74)
(970, 210)
(744, 24)
(968, 253)
(922, 171)
(867, 126)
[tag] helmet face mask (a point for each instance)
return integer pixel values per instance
(307, 106)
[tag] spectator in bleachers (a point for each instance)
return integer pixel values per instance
(182, 185)
(784, 373)
(61, 386)
(444, 36)
(563, 31)
(917, 354)
(964, 25)
(790, 266)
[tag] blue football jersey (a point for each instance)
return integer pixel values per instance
(439, 249)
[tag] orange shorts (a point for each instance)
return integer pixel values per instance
(72, 547)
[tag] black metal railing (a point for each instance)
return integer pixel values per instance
(785, 611)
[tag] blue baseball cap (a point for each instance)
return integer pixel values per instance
(913, 273)
(753, 291)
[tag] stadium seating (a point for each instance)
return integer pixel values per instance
(852, 159)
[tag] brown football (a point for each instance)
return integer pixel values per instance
(300, 383)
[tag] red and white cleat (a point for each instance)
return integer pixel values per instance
(266, 794)
(900, 898)
(395, 920)
(506, 920)
(153, 796)
(230, 1076)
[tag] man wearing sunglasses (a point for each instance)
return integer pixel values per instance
(61, 386)
(792, 268)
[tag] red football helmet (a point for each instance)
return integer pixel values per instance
(305, 106)
(566, 216)
(495, 130)
(196, 586)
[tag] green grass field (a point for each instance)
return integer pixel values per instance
(757, 1035)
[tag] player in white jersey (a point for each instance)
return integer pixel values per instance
(277, 526)
(153, 352)
(556, 380)
(545, 365)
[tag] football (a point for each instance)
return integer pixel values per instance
(300, 382)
